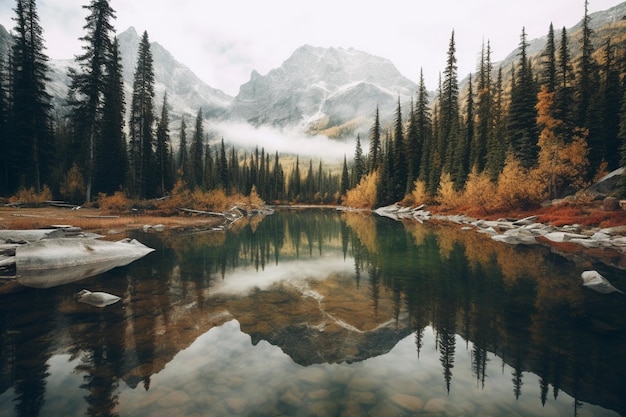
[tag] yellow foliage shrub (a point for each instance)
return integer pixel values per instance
(479, 191)
(447, 196)
(364, 194)
(116, 203)
(420, 194)
(517, 187)
(30, 196)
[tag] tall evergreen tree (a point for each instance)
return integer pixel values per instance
(610, 103)
(413, 149)
(522, 127)
(222, 168)
(549, 72)
(141, 124)
(385, 190)
(465, 142)
(87, 86)
(400, 165)
(449, 109)
(484, 113)
(621, 185)
(359, 163)
(375, 157)
(564, 94)
(497, 145)
(586, 68)
(424, 127)
(345, 177)
(111, 162)
(4, 129)
(295, 182)
(32, 147)
(163, 169)
(183, 166)
(196, 153)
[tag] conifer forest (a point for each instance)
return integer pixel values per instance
(503, 137)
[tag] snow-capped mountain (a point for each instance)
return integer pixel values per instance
(322, 88)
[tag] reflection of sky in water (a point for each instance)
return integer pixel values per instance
(222, 372)
(242, 280)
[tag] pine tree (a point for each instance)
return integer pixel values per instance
(359, 163)
(483, 134)
(196, 153)
(466, 141)
(413, 149)
(222, 168)
(87, 87)
(295, 182)
(345, 177)
(4, 130)
(611, 97)
(375, 159)
(111, 162)
(32, 140)
(449, 110)
(587, 96)
(621, 185)
(497, 145)
(586, 68)
(564, 93)
(424, 127)
(162, 155)
(549, 73)
(141, 124)
(385, 188)
(400, 167)
(184, 165)
(522, 128)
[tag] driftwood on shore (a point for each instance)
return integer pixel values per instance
(201, 212)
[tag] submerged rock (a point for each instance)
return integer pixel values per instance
(595, 281)
(96, 299)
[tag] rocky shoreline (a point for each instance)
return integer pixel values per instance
(606, 245)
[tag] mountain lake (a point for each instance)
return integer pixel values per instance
(321, 313)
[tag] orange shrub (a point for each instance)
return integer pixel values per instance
(447, 196)
(364, 194)
(116, 203)
(30, 196)
(479, 191)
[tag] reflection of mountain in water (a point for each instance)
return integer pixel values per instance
(315, 325)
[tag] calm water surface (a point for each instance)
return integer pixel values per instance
(319, 313)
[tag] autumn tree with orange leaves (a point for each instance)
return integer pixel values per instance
(562, 160)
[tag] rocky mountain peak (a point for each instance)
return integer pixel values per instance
(322, 88)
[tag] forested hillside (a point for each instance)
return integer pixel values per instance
(513, 135)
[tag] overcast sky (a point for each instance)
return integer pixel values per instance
(222, 41)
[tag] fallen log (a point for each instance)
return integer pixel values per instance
(206, 213)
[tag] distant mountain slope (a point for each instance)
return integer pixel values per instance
(317, 89)
(186, 92)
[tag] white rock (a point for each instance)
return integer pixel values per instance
(595, 281)
(97, 299)
(563, 236)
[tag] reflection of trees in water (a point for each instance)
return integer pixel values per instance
(523, 304)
